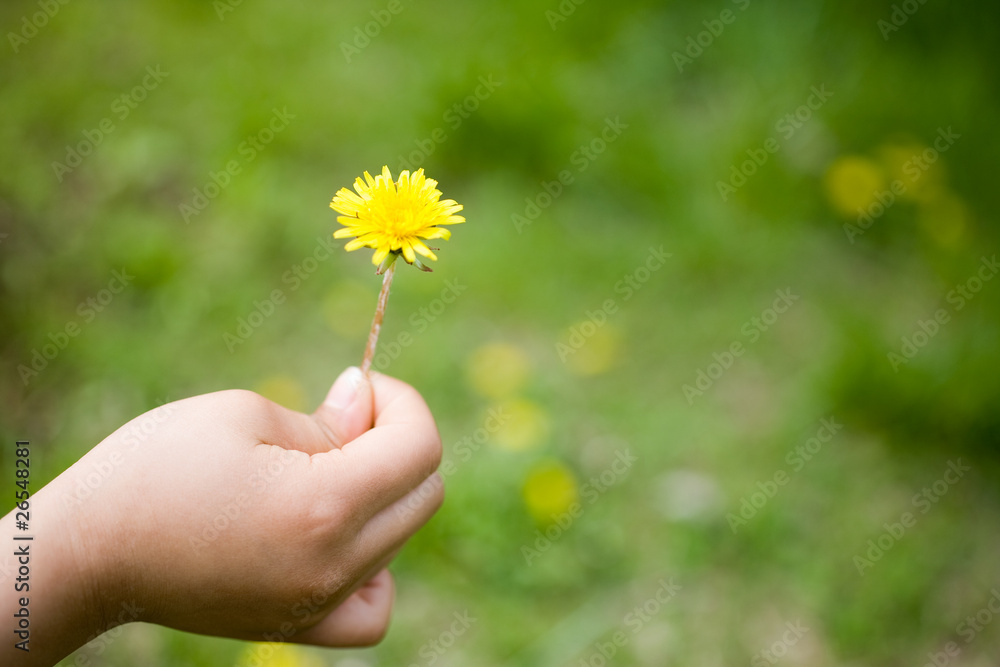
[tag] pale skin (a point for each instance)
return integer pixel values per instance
(229, 515)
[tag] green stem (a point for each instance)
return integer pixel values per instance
(383, 298)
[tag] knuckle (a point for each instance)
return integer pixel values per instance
(242, 397)
(244, 402)
(328, 519)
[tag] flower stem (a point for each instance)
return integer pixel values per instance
(383, 298)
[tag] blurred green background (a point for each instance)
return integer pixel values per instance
(820, 119)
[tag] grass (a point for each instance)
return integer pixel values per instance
(525, 286)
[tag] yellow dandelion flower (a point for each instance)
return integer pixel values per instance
(395, 217)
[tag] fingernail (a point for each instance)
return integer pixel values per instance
(345, 388)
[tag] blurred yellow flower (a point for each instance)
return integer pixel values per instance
(903, 163)
(283, 390)
(598, 354)
(393, 216)
(549, 490)
(526, 425)
(851, 183)
(497, 370)
(277, 655)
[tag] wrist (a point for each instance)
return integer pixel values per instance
(57, 582)
(99, 553)
(81, 570)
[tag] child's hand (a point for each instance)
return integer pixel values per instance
(227, 514)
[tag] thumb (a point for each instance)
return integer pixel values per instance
(347, 411)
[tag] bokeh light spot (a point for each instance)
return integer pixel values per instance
(550, 490)
(525, 425)
(598, 355)
(277, 655)
(498, 370)
(851, 183)
(687, 495)
(283, 390)
(904, 162)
